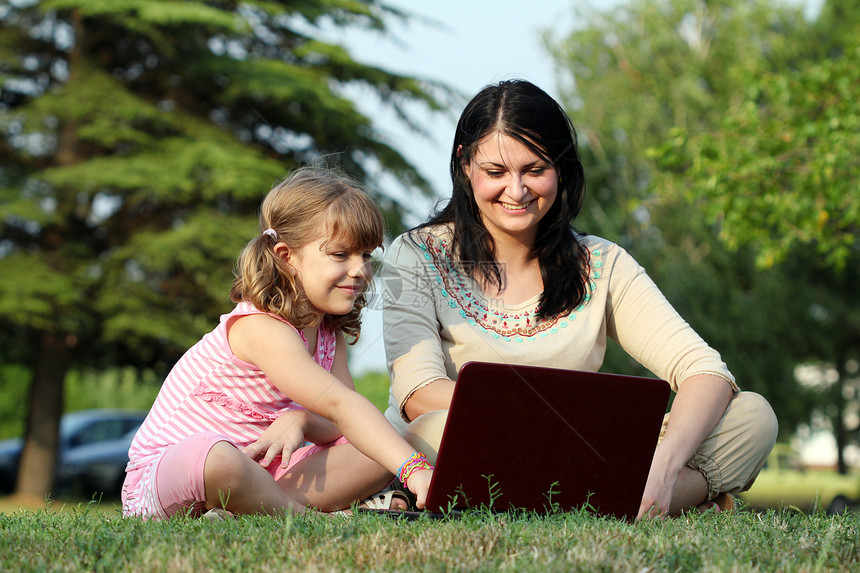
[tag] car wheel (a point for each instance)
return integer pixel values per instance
(838, 505)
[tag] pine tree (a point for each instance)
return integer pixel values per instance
(137, 138)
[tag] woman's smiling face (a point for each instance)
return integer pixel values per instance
(513, 187)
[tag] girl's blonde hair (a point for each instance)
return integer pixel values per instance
(309, 202)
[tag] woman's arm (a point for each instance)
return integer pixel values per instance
(647, 326)
(700, 403)
(434, 396)
(413, 345)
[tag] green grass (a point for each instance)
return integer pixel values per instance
(94, 537)
(374, 386)
(86, 539)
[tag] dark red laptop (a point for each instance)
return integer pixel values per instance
(546, 439)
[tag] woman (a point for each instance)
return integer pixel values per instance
(499, 275)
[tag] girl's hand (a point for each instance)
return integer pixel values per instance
(284, 436)
(419, 484)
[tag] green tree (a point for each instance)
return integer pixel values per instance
(779, 176)
(836, 27)
(781, 168)
(634, 73)
(137, 138)
(633, 76)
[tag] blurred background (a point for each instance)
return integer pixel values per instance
(137, 139)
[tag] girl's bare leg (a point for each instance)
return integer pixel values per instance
(334, 478)
(234, 481)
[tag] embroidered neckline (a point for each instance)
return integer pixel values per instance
(519, 323)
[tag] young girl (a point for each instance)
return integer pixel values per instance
(227, 428)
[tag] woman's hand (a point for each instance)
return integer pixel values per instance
(671, 486)
(284, 436)
(659, 489)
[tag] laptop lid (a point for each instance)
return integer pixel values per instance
(544, 439)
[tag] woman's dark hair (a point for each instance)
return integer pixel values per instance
(526, 113)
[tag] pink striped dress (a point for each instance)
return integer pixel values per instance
(208, 390)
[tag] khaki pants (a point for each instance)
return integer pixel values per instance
(730, 458)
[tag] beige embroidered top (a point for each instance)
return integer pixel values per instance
(435, 319)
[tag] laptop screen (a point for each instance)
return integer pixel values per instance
(545, 439)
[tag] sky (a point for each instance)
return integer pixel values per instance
(474, 43)
(467, 44)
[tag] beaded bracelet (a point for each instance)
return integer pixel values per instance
(413, 463)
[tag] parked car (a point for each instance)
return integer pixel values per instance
(92, 453)
(784, 481)
(96, 467)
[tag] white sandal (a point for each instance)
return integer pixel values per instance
(378, 501)
(383, 500)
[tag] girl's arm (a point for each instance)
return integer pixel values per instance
(287, 433)
(292, 428)
(316, 428)
(340, 366)
(278, 350)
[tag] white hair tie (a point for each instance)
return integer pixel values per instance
(272, 233)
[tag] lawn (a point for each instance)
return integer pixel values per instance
(80, 536)
(93, 537)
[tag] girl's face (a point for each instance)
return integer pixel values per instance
(331, 275)
(513, 187)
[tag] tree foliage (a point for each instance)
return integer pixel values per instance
(638, 71)
(137, 138)
(635, 76)
(782, 167)
(777, 177)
